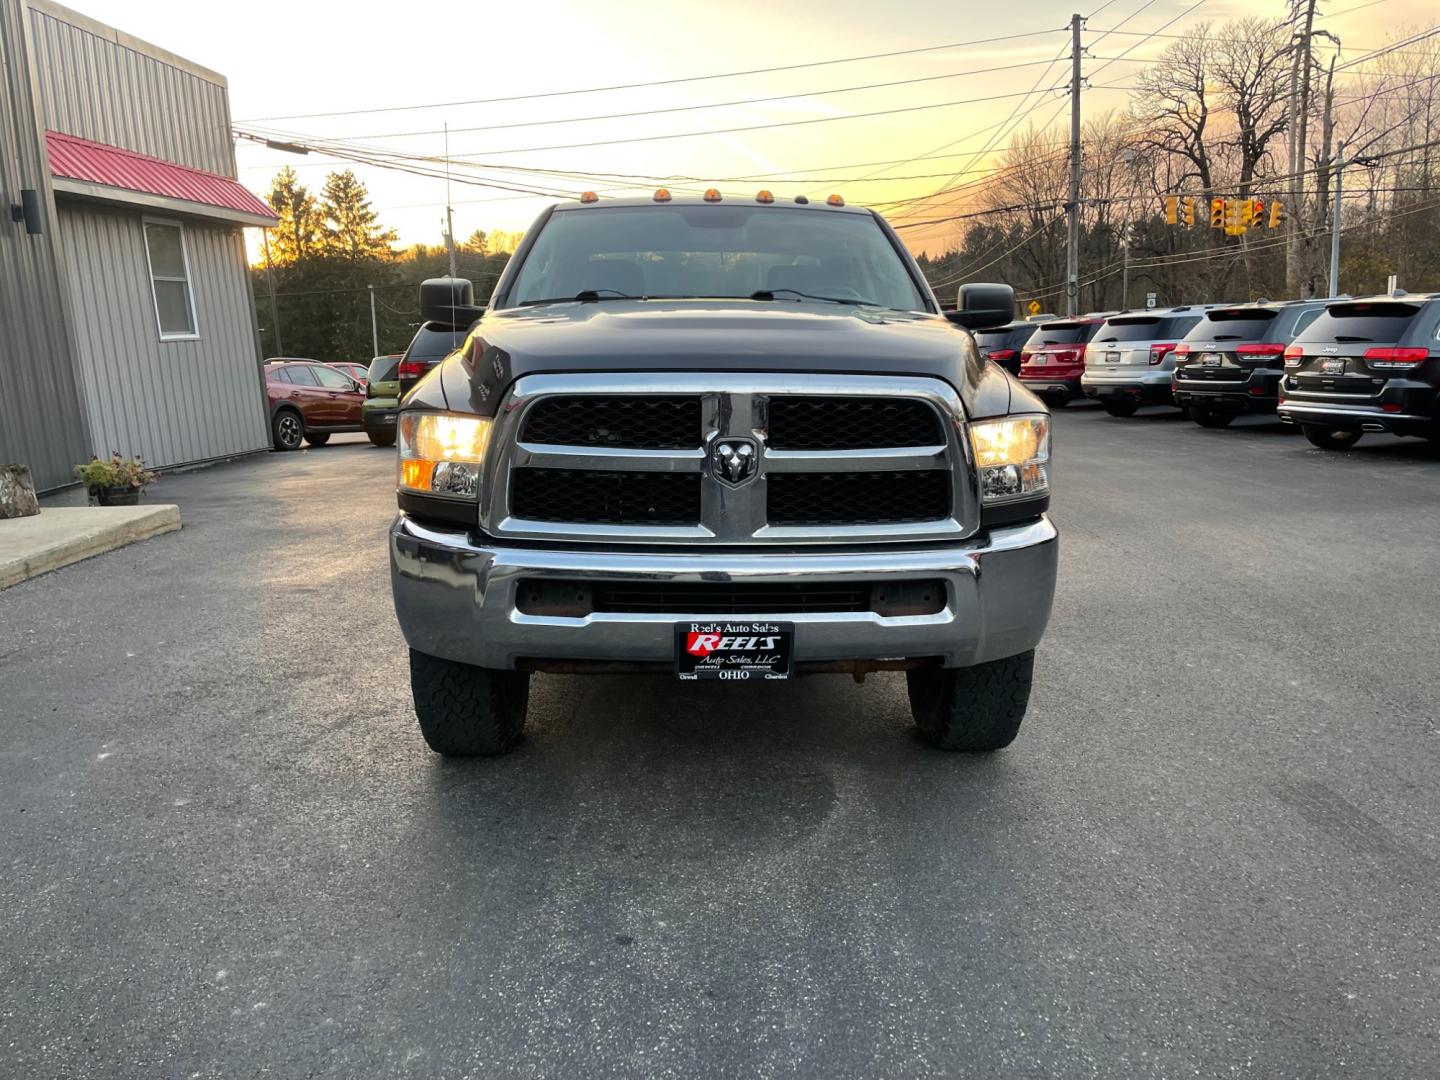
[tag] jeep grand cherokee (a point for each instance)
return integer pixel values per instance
(732, 441)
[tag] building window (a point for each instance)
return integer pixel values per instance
(170, 279)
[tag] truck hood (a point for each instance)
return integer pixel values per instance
(711, 335)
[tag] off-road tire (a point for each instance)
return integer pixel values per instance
(977, 708)
(1121, 408)
(1210, 418)
(317, 438)
(381, 438)
(467, 711)
(286, 429)
(1330, 438)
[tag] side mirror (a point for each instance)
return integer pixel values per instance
(981, 306)
(450, 301)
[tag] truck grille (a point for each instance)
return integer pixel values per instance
(646, 423)
(578, 599)
(606, 498)
(817, 459)
(867, 498)
(819, 423)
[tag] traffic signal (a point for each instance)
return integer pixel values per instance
(1189, 213)
(1217, 213)
(1277, 214)
(1237, 213)
(1172, 204)
(1256, 216)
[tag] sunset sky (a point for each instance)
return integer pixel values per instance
(286, 59)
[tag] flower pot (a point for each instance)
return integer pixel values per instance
(122, 496)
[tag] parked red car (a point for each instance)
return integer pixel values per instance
(310, 401)
(359, 372)
(1054, 358)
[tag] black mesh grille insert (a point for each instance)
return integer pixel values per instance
(859, 498)
(605, 498)
(640, 423)
(838, 423)
(576, 599)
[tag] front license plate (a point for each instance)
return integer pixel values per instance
(1112, 358)
(734, 651)
(1332, 367)
(1210, 359)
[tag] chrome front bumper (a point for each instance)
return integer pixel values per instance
(456, 599)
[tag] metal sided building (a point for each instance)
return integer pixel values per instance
(126, 315)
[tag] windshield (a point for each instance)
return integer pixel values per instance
(1235, 324)
(1064, 333)
(1385, 322)
(435, 343)
(785, 254)
(382, 368)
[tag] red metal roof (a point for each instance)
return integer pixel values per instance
(111, 166)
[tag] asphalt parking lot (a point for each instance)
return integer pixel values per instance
(1211, 852)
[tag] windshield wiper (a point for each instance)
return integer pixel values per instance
(1228, 337)
(584, 296)
(1351, 337)
(769, 294)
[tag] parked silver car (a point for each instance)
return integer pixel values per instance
(1129, 360)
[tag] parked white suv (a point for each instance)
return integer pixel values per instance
(1130, 358)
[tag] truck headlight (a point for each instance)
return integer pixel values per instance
(442, 453)
(1013, 456)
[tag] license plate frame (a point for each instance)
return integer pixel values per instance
(1211, 359)
(1112, 357)
(740, 650)
(1332, 366)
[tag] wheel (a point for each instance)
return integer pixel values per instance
(1120, 408)
(287, 429)
(1210, 418)
(1056, 401)
(1330, 438)
(466, 711)
(317, 438)
(382, 438)
(975, 708)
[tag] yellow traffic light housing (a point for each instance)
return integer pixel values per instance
(1277, 214)
(1237, 213)
(1217, 213)
(1189, 213)
(1172, 205)
(1256, 216)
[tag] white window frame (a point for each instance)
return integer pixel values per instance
(189, 280)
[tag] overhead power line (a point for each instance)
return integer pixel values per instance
(661, 82)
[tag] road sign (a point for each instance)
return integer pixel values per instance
(1033, 307)
(1149, 299)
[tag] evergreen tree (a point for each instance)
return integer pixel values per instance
(299, 232)
(351, 228)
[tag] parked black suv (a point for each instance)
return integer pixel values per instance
(438, 338)
(1371, 364)
(1004, 343)
(1233, 360)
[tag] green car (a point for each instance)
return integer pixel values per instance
(382, 399)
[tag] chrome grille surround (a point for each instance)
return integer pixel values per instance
(734, 405)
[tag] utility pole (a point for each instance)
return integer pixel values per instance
(1335, 221)
(374, 326)
(1072, 253)
(1298, 111)
(1125, 267)
(270, 280)
(449, 210)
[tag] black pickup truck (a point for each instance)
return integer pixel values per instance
(726, 440)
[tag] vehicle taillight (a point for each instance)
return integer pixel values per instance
(1294, 355)
(1181, 351)
(1157, 352)
(412, 369)
(1002, 354)
(1269, 348)
(1396, 358)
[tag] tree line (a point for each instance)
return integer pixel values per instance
(1210, 118)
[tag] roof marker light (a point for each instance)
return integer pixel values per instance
(589, 197)
(764, 197)
(835, 200)
(712, 195)
(662, 194)
(801, 200)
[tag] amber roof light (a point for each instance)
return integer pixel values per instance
(712, 195)
(662, 195)
(589, 197)
(835, 200)
(764, 197)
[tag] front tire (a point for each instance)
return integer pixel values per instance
(1330, 438)
(1120, 408)
(1210, 418)
(978, 709)
(287, 429)
(1056, 401)
(381, 438)
(317, 439)
(467, 711)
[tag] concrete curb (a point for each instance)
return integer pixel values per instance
(62, 535)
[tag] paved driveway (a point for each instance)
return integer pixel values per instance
(1212, 851)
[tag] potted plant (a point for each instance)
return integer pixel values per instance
(115, 481)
